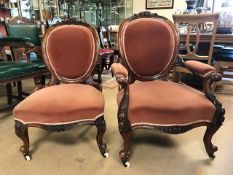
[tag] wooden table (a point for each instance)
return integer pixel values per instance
(205, 37)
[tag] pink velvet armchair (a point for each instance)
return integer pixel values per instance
(148, 45)
(70, 50)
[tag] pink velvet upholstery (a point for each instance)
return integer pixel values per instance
(166, 103)
(71, 49)
(199, 67)
(105, 51)
(66, 103)
(148, 45)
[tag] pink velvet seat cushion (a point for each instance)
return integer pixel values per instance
(166, 103)
(66, 103)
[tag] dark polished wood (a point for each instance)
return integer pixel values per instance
(21, 130)
(124, 124)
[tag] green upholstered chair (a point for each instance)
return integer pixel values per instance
(23, 35)
(15, 71)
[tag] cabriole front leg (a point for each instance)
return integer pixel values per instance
(125, 130)
(124, 154)
(210, 148)
(210, 131)
(21, 131)
(101, 128)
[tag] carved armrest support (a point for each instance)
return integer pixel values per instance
(208, 79)
(205, 71)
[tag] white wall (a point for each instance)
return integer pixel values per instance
(140, 5)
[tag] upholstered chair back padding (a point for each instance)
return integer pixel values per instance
(70, 51)
(30, 31)
(150, 46)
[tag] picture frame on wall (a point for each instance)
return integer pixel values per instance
(159, 4)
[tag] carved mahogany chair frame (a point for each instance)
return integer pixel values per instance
(21, 129)
(125, 76)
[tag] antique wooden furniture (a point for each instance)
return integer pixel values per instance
(3, 55)
(206, 37)
(70, 50)
(193, 25)
(23, 39)
(21, 27)
(106, 54)
(12, 71)
(152, 102)
(21, 36)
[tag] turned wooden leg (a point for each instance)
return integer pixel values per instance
(99, 71)
(9, 94)
(22, 132)
(20, 90)
(101, 127)
(111, 61)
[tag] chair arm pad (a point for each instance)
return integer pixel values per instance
(199, 67)
(119, 69)
(16, 41)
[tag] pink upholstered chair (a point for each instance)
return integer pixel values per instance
(148, 46)
(70, 50)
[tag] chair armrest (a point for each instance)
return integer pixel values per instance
(208, 74)
(119, 69)
(16, 41)
(121, 74)
(198, 67)
(205, 71)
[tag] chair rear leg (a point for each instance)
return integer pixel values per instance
(9, 94)
(21, 131)
(20, 90)
(101, 128)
